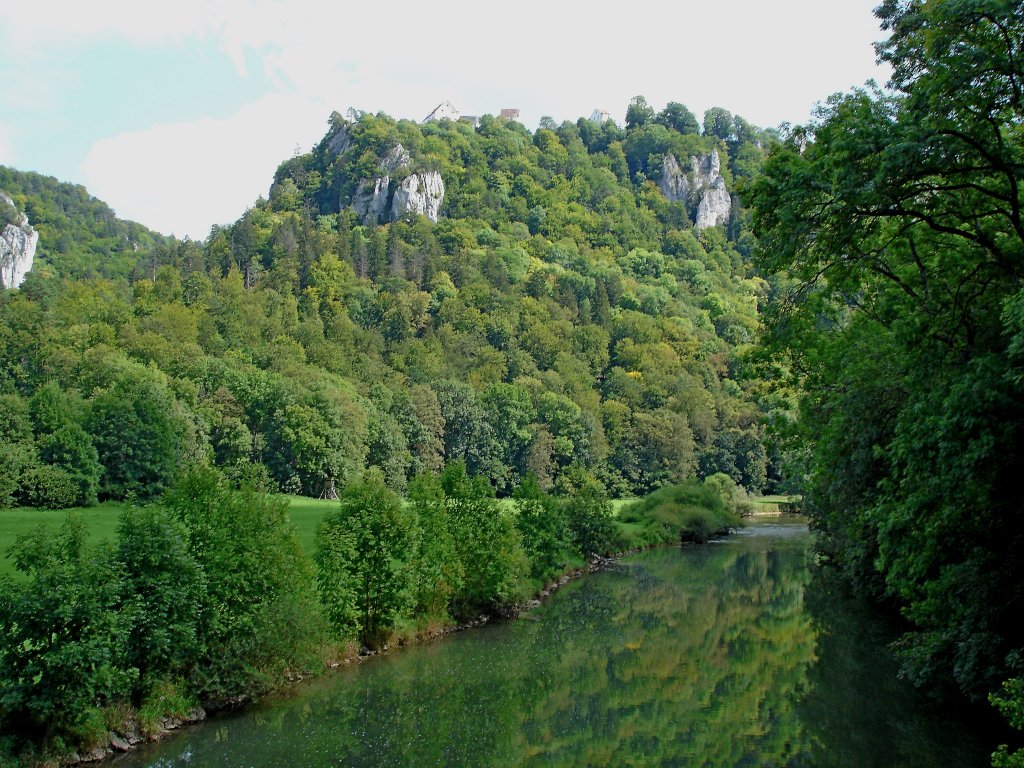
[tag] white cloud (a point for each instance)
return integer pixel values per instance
(182, 178)
(769, 61)
(766, 61)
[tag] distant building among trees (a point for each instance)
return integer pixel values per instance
(443, 111)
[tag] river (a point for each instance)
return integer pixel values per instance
(732, 654)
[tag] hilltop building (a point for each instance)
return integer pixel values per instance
(443, 111)
(600, 116)
(509, 114)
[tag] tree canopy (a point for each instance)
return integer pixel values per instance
(893, 224)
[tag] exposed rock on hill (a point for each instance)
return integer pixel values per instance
(702, 186)
(715, 205)
(339, 140)
(17, 249)
(420, 193)
(371, 199)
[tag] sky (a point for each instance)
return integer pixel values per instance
(177, 114)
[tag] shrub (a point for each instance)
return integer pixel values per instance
(690, 511)
(50, 487)
(58, 625)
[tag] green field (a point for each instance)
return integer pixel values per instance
(101, 522)
(770, 505)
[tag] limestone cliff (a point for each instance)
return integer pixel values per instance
(702, 186)
(715, 205)
(370, 201)
(17, 249)
(418, 193)
(674, 184)
(338, 140)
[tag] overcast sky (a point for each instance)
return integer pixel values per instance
(177, 114)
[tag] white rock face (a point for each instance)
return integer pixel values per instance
(715, 205)
(396, 158)
(420, 193)
(17, 250)
(674, 184)
(370, 201)
(703, 184)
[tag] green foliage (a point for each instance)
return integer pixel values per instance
(133, 426)
(893, 225)
(79, 236)
(60, 633)
(487, 544)
(544, 528)
(690, 511)
(260, 619)
(165, 700)
(733, 494)
(71, 450)
(591, 522)
(302, 340)
(1010, 703)
(361, 552)
(163, 591)
(437, 573)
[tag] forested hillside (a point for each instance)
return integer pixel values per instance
(562, 316)
(80, 237)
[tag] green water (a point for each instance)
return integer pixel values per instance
(734, 654)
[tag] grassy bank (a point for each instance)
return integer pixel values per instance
(776, 505)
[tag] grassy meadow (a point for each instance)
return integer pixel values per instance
(101, 523)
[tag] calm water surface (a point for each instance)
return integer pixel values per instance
(733, 654)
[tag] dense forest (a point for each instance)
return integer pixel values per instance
(561, 317)
(560, 331)
(456, 312)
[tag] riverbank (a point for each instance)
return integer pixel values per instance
(738, 653)
(131, 732)
(498, 557)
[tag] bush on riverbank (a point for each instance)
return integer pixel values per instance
(212, 590)
(691, 511)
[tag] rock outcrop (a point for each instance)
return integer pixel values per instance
(370, 201)
(715, 205)
(702, 186)
(418, 193)
(339, 141)
(17, 249)
(674, 184)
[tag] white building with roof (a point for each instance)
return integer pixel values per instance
(443, 111)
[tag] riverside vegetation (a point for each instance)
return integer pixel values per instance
(209, 597)
(563, 320)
